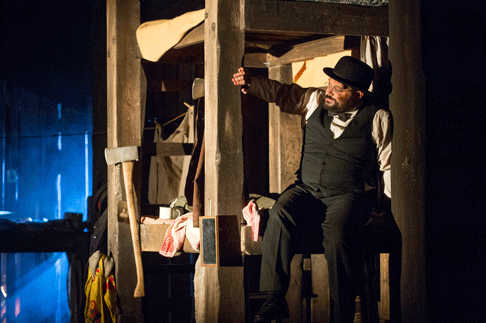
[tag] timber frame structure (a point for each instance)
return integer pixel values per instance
(297, 30)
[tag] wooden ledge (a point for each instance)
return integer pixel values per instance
(152, 235)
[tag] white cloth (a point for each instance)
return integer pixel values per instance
(374, 52)
(156, 37)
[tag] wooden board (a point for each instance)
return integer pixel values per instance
(152, 236)
(285, 138)
(302, 51)
(315, 17)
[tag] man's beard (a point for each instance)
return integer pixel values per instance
(339, 107)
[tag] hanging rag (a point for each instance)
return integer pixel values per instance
(100, 290)
(252, 218)
(177, 232)
(255, 214)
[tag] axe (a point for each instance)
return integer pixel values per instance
(126, 156)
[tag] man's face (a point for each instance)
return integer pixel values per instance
(341, 98)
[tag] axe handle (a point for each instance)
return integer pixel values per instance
(134, 228)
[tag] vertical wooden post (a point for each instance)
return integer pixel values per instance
(409, 154)
(219, 293)
(285, 138)
(125, 86)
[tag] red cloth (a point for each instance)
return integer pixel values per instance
(176, 234)
(252, 217)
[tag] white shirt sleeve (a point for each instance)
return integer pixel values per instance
(382, 134)
(313, 103)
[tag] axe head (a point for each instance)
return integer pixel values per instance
(197, 88)
(121, 154)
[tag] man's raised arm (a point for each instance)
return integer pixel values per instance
(291, 98)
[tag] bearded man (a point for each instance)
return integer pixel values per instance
(347, 141)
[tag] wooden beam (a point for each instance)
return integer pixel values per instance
(316, 17)
(302, 52)
(285, 138)
(125, 94)
(152, 236)
(223, 121)
(219, 291)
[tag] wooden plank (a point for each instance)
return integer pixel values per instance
(125, 93)
(316, 17)
(285, 138)
(384, 302)
(152, 236)
(304, 51)
(321, 304)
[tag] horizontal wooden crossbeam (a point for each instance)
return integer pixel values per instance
(302, 52)
(315, 17)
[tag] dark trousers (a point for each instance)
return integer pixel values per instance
(340, 217)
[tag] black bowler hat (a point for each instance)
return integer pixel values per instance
(352, 72)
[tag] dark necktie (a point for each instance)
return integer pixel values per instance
(341, 115)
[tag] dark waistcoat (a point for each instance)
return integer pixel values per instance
(336, 166)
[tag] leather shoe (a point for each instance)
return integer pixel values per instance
(272, 309)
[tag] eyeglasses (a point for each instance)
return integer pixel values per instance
(335, 88)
